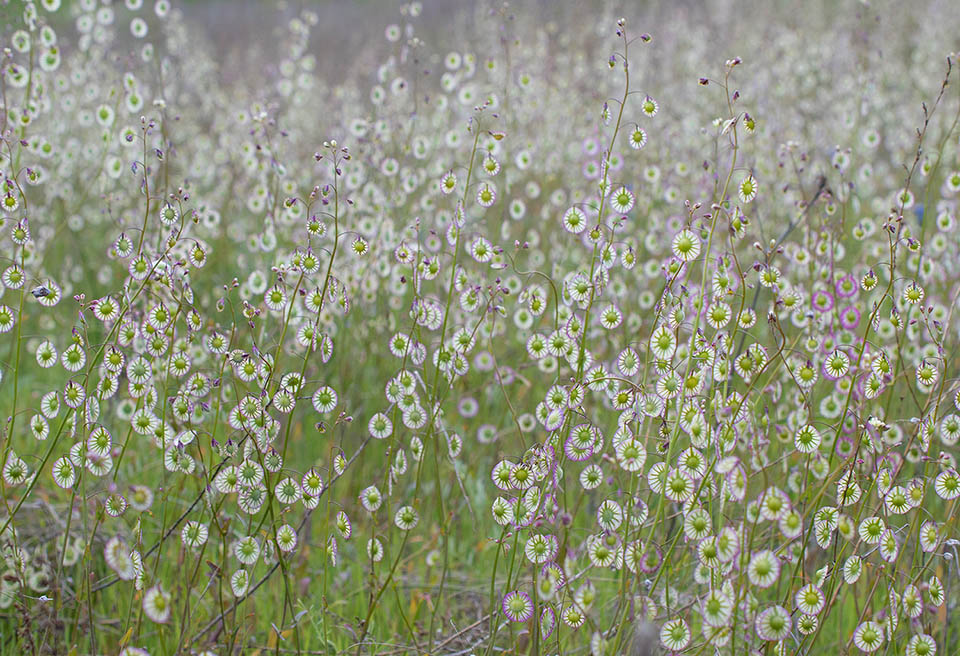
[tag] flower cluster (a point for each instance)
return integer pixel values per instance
(512, 345)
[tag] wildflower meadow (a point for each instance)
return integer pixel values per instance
(471, 328)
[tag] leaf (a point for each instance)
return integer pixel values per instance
(272, 639)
